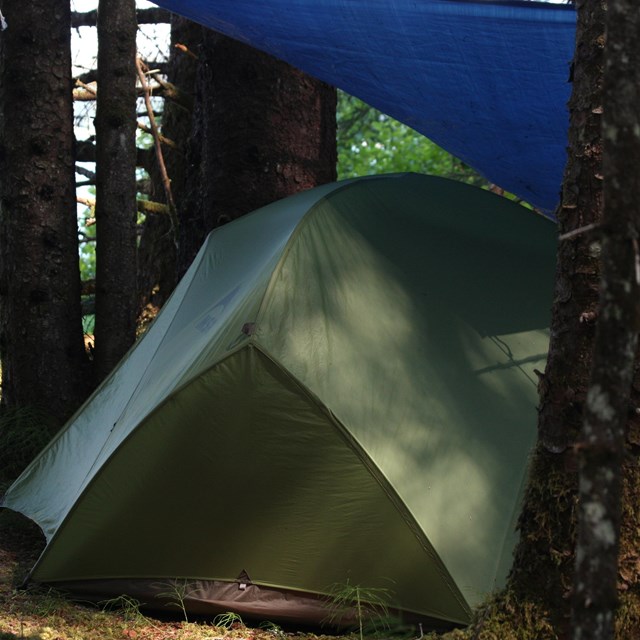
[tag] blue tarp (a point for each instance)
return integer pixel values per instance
(488, 81)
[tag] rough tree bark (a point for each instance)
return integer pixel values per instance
(262, 130)
(543, 567)
(608, 399)
(43, 359)
(540, 587)
(116, 211)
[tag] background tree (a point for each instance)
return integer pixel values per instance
(43, 359)
(261, 130)
(116, 190)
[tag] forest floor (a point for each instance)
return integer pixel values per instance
(44, 614)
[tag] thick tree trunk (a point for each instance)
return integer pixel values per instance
(608, 398)
(116, 211)
(541, 583)
(543, 567)
(262, 131)
(43, 359)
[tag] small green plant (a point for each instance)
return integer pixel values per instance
(177, 593)
(128, 606)
(227, 620)
(368, 606)
(46, 602)
(272, 627)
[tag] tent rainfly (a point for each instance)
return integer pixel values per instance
(487, 80)
(340, 390)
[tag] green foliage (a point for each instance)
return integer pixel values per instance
(87, 236)
(177, 593)
(227, 620)
(47, 602)
(88, 247)
(367, 606)
(128, 606)
(272, 628)
(23, 433)
(88, 323)
(370, 142)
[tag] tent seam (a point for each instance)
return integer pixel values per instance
(378, 476)
(303, 222)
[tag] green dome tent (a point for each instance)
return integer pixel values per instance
(340, 390)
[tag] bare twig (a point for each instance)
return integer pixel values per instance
(85, 172)
(182, 47)
(87, 202)
(91, 75)
(578, 231)
(146, 129)
(143, 206)
(170, 90)
(82, 94)
(84, 237)
(166, 182)
(86, 152)
(91, 88)
(143, 16)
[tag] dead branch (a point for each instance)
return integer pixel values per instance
(183, 47)
(91, 88)
(86, 152)
(144, 16)
(146, 129)
(92, 75)
(86, 94)
(172, 92)
(143, 206)
(149, 206)
(87, 202)
(160, 89)
(85, 172)
(166, 182)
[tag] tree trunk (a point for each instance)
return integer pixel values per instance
(608, 399)
(43, 359)
(262, 130)
(540, 587)
(543, 566)
(116, 212)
